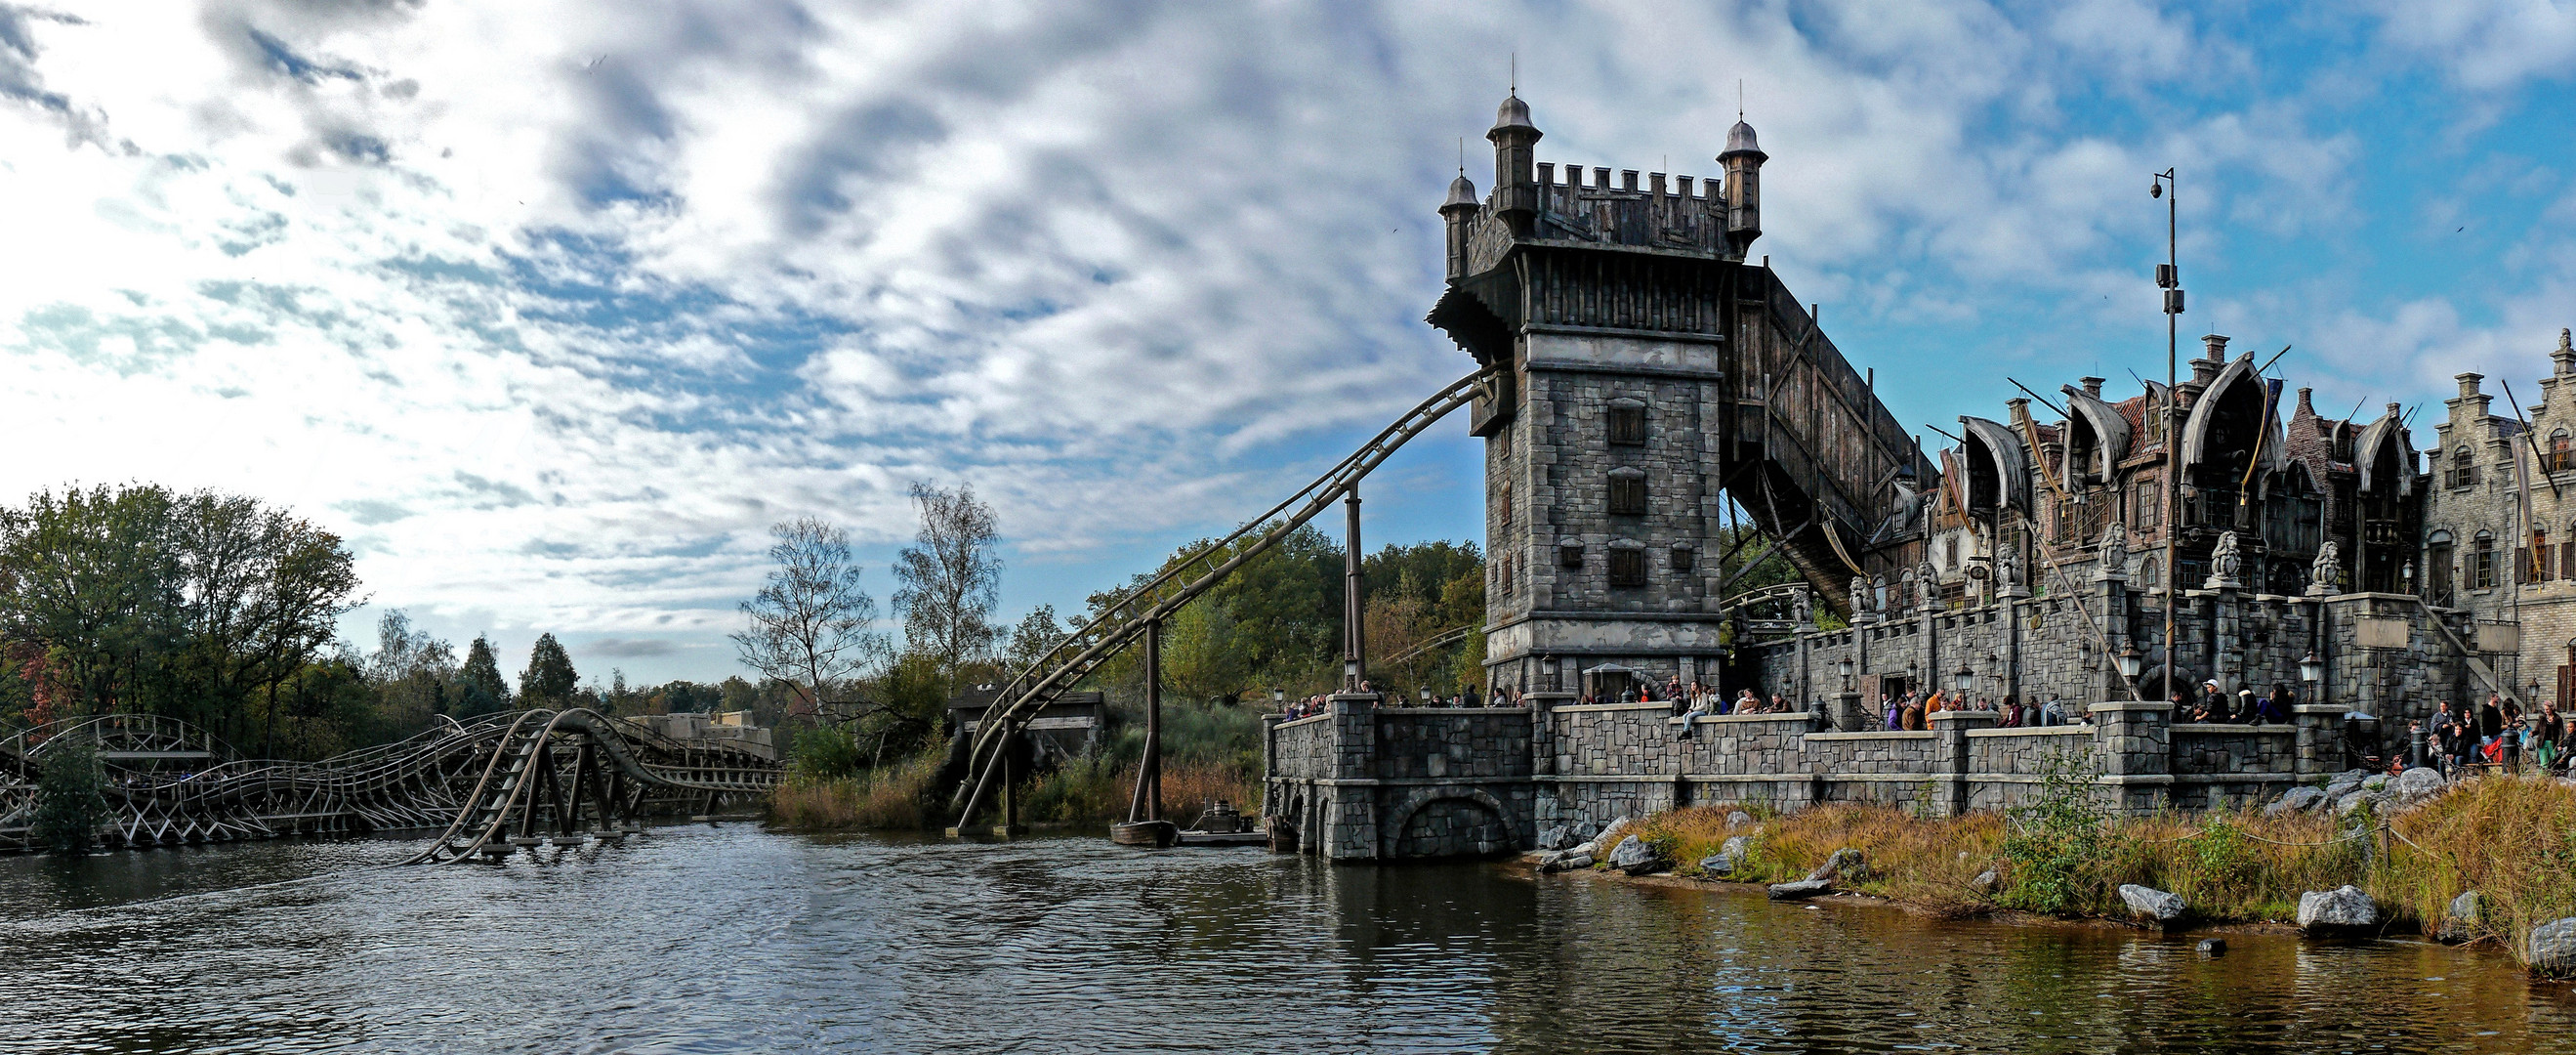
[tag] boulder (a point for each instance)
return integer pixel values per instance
(1845, 864)
(1716, 866)
(1800, 890)
(2152, 903)
(2293, 801)
(1555, 837)
(2353, 803)
(1565, 861)
(1985, 882)
(1634, 857)
(2419, 783)
(1583, 830)
(1736, 846)
(2378, 782)
(2343, 910)
(2460, 923)
(2552, 949)
(1738, 819)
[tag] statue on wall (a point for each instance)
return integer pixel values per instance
(1802, 609)
(2325, 577)
(2008, 574)
(1860, 596)
(2224, 564)
(1927, 587)
(2114, 559)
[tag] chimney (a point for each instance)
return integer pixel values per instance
(2306, 407)
(2217, 346)
(2468, 384)
(2092, 386)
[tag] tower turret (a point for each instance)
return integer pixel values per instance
(1743, 163)
(1459, 211)
(1515, 158)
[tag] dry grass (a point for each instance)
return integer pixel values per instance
(2511, 839)
(1083, 791)
(890, 797)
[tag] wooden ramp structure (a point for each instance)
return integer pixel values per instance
(496, 780)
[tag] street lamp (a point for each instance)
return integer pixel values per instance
(1967, 679)
(1843, 667)
(2169, 279)
(2131, 663)
(1278, 695)
(1547, 671)
(2312, 670)
(1426, 695)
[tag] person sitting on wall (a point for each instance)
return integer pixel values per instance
(2276, 707)
(1747, 703)
(2052, 712)
(2213, 702)
(2567, 743)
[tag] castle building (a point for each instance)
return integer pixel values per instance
(2500, 526)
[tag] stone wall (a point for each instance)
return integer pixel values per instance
(1369, 783)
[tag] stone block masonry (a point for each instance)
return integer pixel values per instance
(1366, 782)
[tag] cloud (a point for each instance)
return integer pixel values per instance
(554, 310)
(627, 648)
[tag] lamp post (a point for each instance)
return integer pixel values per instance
(2131, 663)
(2313, 671)
(1967, 679)
(1547, 672)
(1426, 695)
(1843, 667)
(1278, 696)
(2169, 279)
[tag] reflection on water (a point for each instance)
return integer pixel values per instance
(729, 939)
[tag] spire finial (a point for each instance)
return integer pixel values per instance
(1462, 155)
(1516, 72)
(1739, 98)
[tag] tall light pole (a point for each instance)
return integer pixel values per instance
(2169, 279)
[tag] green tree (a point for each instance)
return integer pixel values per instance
(71, 802)
(1036, 635)
(549, 680)
(480, 687)
(812, 622)
(949, 579)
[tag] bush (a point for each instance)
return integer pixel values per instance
(71, 802)
(825, 754)
(2056, 848)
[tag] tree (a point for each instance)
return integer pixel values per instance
(480, 687)
(950, 579)
(70, 804)
(811, 622)
(1037, 635)
(549, 679)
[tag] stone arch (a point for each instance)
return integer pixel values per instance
(1449, 822)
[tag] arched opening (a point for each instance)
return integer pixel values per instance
(1454, 827)
(2229, 436)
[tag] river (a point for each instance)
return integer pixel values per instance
(727, 939)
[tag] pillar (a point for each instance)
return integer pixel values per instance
(2134, 741)
(1951, 753)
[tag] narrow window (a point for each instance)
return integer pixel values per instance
(1627, 421)
(2482, 569)
(1569, 553)
(1627, 492)
(1628, 566)
(1507, 506)
(2150, 506)
(1685, 557)
(2562, 451)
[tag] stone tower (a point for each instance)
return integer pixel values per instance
(1643, 372)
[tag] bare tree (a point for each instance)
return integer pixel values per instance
(950, 578)
(810, 623)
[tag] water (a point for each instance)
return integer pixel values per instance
(729, 939)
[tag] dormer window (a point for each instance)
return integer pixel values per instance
(1627, 421)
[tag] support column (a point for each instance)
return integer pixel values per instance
(1147, 803)
(2135, 744)
(2227, 640)
(2320, 739)
(1354, 600)
(1950, 756)
(1350, 798)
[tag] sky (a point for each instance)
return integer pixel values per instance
(550, 310)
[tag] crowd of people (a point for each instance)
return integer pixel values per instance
(2213, 704)
(2500, 735)
(1913, 711)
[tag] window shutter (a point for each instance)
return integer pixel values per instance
(2521, 565)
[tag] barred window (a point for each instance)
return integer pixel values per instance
(2150, 509)
(2463, 471)
(1627, 492)
(2482, 562)
(1628, 566)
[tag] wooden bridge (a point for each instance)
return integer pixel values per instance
(495, 783)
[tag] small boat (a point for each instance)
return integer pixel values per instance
(1156, 834)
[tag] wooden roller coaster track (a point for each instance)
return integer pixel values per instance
(493, 780)
(1127, 619)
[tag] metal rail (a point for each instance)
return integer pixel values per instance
(1121, 622)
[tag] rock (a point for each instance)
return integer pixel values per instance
(1845, 864)
(1800, 890)
(1736, 846)
(1738, 819)
(2418, 783)
(2152, 903)
(2354, 802)
(2552, 949)
(2375, 783)
(1716, 866)
(1634, 857)
(1555, 837)
(2460, 923)
(2213, 946)
(1985, 882)
(2343, 910)
(2293, 801)
(1566, 861)
(1601, 845)
(1583, 831)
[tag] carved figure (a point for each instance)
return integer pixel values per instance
(2224, 563)
(1927, 586)
(1860, 595)
(2326, 575)
(2115, 551)
(2008, 572)
(1802, 609)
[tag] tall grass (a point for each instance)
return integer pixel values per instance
(2512, 839)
